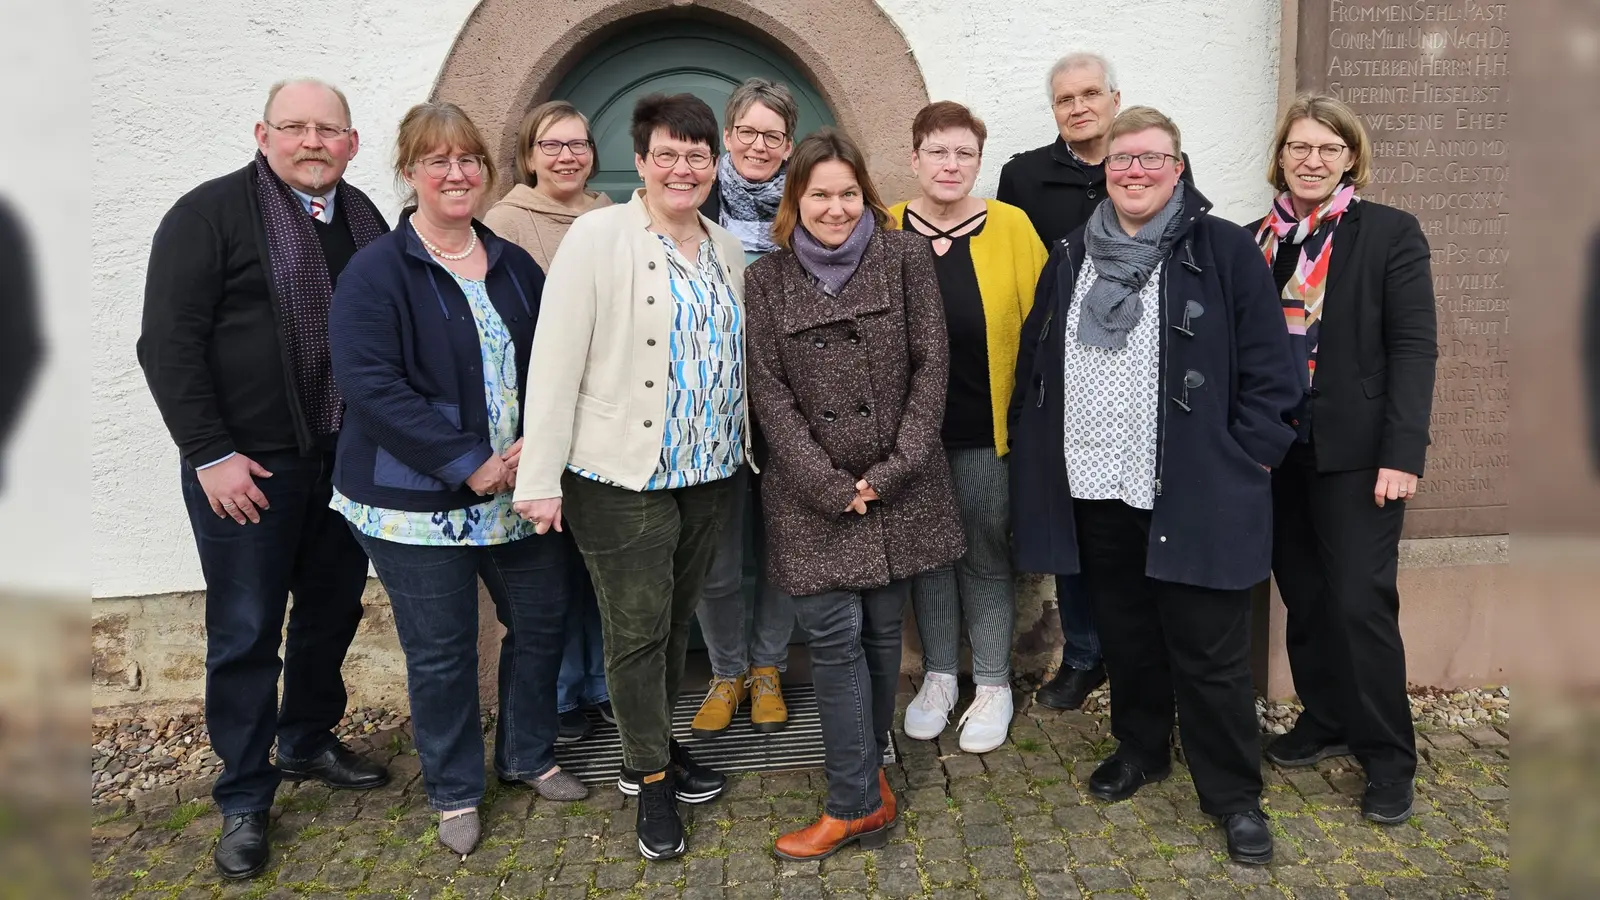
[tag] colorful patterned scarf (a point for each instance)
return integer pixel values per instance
(1302, 294)
(303, 290)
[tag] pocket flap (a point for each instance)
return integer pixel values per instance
(1376, 385)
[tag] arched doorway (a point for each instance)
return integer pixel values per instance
(671, 57)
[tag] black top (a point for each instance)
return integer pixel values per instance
(337, 243)
(969, 408)
(210, 345)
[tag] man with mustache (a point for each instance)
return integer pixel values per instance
(234, 347)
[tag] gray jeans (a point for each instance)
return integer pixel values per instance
(854, 640)
(980, 586)
(742, 632)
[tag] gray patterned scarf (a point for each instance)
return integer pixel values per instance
(1123, 265)
(832, 267)
(748, 207)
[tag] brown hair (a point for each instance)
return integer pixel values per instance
(820, 146)
(1339, 118)
(946, 114)
(1135, 119)
(534, 123)
(428, 126)
(771, 94)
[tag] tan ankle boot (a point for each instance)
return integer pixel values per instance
(717, 710)
(768, 713)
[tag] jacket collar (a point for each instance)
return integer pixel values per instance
(1066, 169)
(1350, 224)
(491, 241)
(863, 294)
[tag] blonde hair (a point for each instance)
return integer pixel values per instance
(1340, 119)
(428, 126)
(534, 123)
(820, 146)
(1135, 119)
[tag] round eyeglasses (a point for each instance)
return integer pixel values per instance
(581, 147)
(1328, 152)
(666, 158)
(439, 166)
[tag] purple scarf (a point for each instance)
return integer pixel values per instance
(832, 268)
(303, 290)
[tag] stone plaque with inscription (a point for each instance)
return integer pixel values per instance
(1432, 84)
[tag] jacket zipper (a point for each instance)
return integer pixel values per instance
(1044, 330)
(1163, 348)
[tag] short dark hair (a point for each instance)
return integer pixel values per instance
(946, 114)
(684, 116)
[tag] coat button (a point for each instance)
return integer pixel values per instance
(649, 384)
(652, 265)
(828, 415)
(650, 300)
(647, 424)
(1092, 194)
(1163, 537)
(855, 337)
(1315, 393)
(651, 342)
(863, 411)
(819, 343)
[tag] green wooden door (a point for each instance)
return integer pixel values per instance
(671, 57)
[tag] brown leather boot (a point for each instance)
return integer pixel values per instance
(888, 797)
(827, 836)
(768, 713)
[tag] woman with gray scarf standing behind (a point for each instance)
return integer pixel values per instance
(747, 638)
(1153, 390)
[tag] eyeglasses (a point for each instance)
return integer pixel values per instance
(965, 156)
(747, 136)
(576, 148)
(1328, 152)
(1089, 98)
(299, 129)
(439, 166)
(666, 158)
(1150, 162)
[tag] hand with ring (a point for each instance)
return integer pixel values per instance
(231, 489)
(1394, 484)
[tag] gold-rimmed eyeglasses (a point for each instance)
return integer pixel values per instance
(299, 129)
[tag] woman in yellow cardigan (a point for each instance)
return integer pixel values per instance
(988, 259)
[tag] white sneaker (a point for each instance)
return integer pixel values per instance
(930, 710)
(987, 721)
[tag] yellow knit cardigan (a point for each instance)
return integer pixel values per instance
(1007, 257)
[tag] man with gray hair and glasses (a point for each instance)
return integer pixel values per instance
(234, 346)
(1058, 186)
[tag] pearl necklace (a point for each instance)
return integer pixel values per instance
(472, 244)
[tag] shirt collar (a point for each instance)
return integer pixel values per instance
(327, 199)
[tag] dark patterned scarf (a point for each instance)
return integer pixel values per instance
(302, 288)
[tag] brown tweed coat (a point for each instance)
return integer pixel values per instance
(845, 388)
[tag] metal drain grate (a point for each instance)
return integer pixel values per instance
(598, 758)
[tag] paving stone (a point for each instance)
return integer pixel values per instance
(899, 883)
(1316, 892)
(1153, 869)
(1078, 820)
(1001, 890)
(1194, 864)
(1309, 783)
(1165, 890)
(986, 813)
(1091, 851)
(1104, 878)
(995, 862)
(986, 836)
(1365, 892)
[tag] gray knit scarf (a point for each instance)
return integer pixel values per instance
(749, 207)
(1123, 266)
(832, 267)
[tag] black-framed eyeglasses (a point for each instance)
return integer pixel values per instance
(666, 158)
(299, 129)
(747, 136)
(1328, 152)
(439, 166)
(580, 147)
(1150, 162)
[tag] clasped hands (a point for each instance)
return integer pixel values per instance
(864, 494)
(498, 473)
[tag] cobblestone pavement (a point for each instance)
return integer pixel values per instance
(1016, 823)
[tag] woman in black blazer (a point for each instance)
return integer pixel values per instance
(1358, 300)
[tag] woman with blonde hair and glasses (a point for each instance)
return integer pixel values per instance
(1357, 292)
(555, 159)
(431, 329)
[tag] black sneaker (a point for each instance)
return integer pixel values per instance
(658, 825)
(604, 706)
(1070, 687)
(693, 782)
(1302, 748)
(1388, 802)
(1249, 840)
(573, 727)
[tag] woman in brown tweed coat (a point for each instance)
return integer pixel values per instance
(847, 367)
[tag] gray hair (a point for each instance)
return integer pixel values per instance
(771, 94)
(1078, 60)
(272, 94)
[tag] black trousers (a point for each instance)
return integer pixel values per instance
(1336, 556)
(301, 547)
(1166, 642)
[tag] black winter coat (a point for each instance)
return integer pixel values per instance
(1055, 191)
(1221, 319)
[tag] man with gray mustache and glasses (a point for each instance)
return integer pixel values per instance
(234, 346)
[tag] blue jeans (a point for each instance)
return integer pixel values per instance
(300, 545)
(433, 592)
(582, 681)
(1080, 644)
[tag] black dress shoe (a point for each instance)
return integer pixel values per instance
(242, 851)
(1302, 748)
(1070, 687)
(1117, 779)
(337, 767)
(572, 726)
(1249, 841)
(1388, 802)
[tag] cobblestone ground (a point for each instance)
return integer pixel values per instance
(1016, 823)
